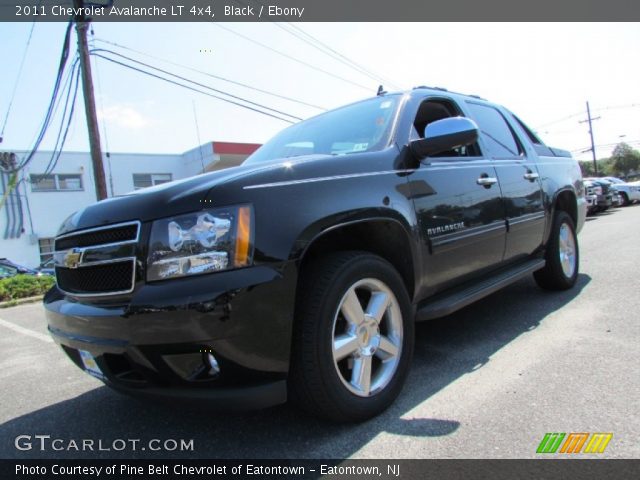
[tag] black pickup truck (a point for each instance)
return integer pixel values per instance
(300, 273)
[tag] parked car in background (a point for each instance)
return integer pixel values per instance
(9, 269)
(47, 267)
(629, 192)
(591, 197)
(602, 189)
(616, 198)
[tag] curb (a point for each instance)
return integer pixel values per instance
(20, 301)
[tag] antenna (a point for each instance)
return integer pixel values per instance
(381, 91)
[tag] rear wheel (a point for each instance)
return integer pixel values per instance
(562, 256)
(353, 339)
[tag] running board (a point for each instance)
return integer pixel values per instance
(449, 303)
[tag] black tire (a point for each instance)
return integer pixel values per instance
(318, 383)
(555, 276)
(624, 200)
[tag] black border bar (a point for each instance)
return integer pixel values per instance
(540, 469)
(324, 11)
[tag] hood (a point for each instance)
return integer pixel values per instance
(167, 199)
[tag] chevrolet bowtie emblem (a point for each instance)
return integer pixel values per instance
(73, 258)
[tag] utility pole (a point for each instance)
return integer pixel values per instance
(82, 23)
(593, 146)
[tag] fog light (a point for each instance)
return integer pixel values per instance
(214, 368)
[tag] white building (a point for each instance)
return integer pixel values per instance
(34, 211)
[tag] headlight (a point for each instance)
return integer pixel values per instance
(200, 242)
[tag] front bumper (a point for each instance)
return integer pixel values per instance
(156, 341)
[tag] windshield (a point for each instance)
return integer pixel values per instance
(361, 127)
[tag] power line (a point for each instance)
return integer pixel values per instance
(297, 60)
(568, 117)
(54, 95)
(236, 97)
(17, 82)
(604, 145)
(62, 137)
(327, 50)
(195, 118)
(372, 73)
(191, 88)
(217, 77)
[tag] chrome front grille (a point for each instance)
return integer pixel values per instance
(118, 234)
(97, 261)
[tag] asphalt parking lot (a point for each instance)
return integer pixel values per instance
(486, 382)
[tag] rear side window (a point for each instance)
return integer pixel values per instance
(532, 136)
(496, 131)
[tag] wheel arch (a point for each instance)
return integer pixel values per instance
(567, 201)
(385, 236)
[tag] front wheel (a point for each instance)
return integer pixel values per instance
(624, 200)
(562, 257)
(353, 338)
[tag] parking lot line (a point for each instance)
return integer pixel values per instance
(25, 331)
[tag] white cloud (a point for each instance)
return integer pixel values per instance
(124, 116)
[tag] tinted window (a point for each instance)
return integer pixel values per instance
(361, 127)
(496, 131)
(532, 136)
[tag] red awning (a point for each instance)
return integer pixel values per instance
(231, 148)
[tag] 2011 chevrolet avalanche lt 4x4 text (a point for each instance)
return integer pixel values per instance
(300, 273)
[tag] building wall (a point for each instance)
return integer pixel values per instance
(44, 211)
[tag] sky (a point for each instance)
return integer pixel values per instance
(543, 72)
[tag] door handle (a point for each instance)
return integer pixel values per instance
(531, 176)
(486, 181)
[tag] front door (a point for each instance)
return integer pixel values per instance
(458, 207)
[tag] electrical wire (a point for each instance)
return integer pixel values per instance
(236, 97)
(17, 82)
(601, 109)
(297, 60)
(62, 137)
(54, 96)
(217, 77)
(191, 88)
(327, 50)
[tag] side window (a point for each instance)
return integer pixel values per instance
(433, 110)
(7, 271)
(532, 136)
(144, 180)
(495, 129)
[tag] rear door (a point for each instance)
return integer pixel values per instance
(519, 180)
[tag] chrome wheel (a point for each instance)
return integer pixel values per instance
(567, 250)
(367, 337)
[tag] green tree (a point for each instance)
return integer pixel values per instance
(604, 167)
(625, 159)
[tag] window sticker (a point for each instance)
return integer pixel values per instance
(360, 147)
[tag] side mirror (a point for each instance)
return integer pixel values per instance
(445, 134)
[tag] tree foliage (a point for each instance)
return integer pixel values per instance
(625, 159)
(604, 167)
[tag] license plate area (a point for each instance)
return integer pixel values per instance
(90, 364)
